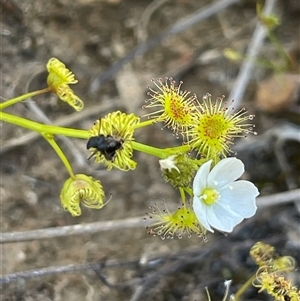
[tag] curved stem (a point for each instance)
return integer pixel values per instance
(242, 289)
(15, 100)
(207, 293)
(227, 285)
(43, 128)
(60, 153)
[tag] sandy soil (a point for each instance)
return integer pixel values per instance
(89, 37)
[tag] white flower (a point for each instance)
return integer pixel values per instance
(227, 283)
(219, 200)
(227, 286)
(169, 163)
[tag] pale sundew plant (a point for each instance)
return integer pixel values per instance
(203, 169)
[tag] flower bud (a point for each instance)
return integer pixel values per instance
(81, 189)
(179, 170)
(59, 79)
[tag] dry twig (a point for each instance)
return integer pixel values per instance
(180, 260)
(246, 71)
(9, 237)
(198, 16)
(141, 28)
(165, 264)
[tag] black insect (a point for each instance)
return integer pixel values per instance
(106, 145)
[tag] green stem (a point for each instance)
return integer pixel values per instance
(182, 194)
(43, 128)
(13, 101)
(273, 38)
(150, 150)
(179, 149)
(264, 63)
(145, 123)
(161, 153)
(188, 190)
(242, 289)
(60, 153)
(46, 129)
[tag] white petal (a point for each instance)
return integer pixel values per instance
(227, 283)
(168, 163)
(226, 171)
(200, 211)
(221, 219)
(200, 180)
(239, 197)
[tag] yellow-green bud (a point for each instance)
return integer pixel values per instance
(81, 189)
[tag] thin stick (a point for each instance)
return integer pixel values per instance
(141, 28)
(198, 16)
(73, 230)
(181, 261)
(281, 198)
(137, 222)
(246, 71)
(178, 261)
(71, 268)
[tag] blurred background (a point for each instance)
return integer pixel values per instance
(115, 48)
